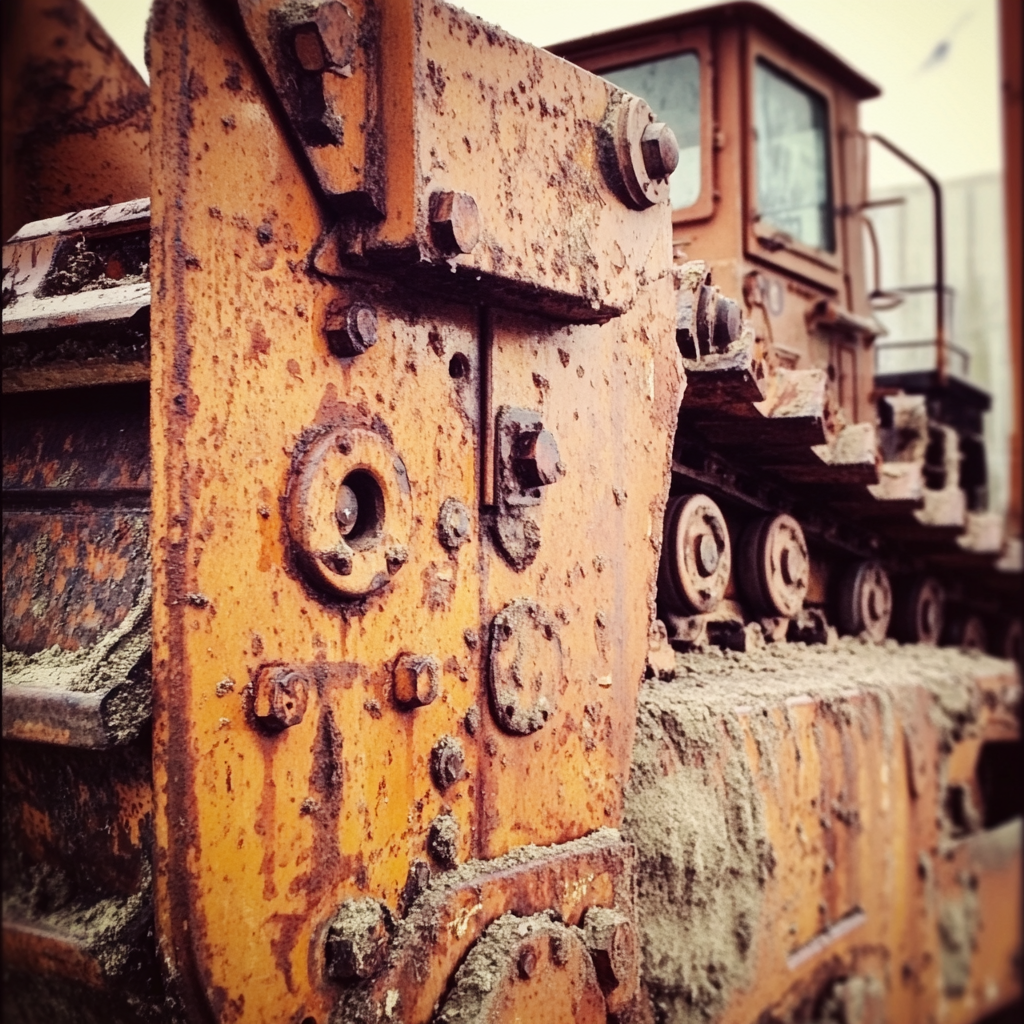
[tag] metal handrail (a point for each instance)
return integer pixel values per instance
(941, 342)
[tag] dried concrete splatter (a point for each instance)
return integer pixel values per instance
(697, 818)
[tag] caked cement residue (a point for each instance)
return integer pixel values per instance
(414, 931)
(958, 931)
(491, 961)
(90, 669)
(858, 999)
(697, 818)
(113, 930)
(704, 857)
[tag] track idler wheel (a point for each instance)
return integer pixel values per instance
(920, 612)
(773, 566)
(696, 556)
(1010, 642)
(864, 601)
(967, 632)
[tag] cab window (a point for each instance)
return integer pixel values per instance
(794, 190)
(671, 85)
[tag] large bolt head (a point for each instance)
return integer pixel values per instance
(536, 462)
(351, 329)
(280, 696)
(660, 150)
(309, 49)
(443, 840)
(455, 221)
(416, 680)
(327, 41)
(728, 323)
(615, 949)
(447, 762)
(453, 524)
(357, 940)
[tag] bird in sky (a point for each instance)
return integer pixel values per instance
(942, 48)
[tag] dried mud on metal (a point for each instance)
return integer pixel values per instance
(696, 800)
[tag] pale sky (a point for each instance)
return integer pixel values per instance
(944, 111)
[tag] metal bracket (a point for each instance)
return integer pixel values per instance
(525, 462)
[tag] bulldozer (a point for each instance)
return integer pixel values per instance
(460, 564)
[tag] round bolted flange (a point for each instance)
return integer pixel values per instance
(350, 328)
(793, 563)
(455, 221)
(280, 697)
(453, 524)
(525, 669)
(447, 762)
(864, 601)
(349, 511)
(416, 680)
(696, 556)
(708, 554)
(660, 149)
(357, 940)
(773, 566)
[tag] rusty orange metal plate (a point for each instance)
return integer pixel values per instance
(274, 809)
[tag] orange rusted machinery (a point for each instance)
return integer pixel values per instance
(885, 475)
(347, 381)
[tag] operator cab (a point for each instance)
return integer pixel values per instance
(772, 175)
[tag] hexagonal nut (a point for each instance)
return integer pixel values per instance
(351, 328)
(416, 679)
(443, 840)
(357, 940)
(535, 460)
(455, 221)
(615, 949)
(453, 524)
(280, 696)
(660, 149)
(327, 40)
(415, 884)
(447, 762)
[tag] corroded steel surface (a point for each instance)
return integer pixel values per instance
(76, 521)
(275, 829)
(882, 859)
(75, 115)
(413, 389)
(455, 911)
